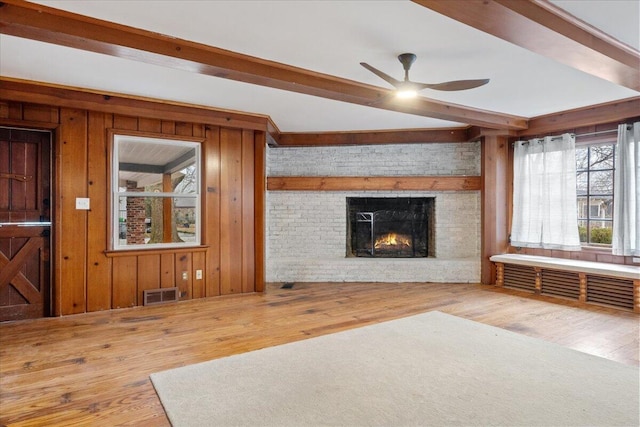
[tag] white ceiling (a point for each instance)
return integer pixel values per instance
(330, 37)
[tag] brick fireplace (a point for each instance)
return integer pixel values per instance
(307, 238)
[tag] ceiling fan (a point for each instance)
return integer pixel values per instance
(407, 88)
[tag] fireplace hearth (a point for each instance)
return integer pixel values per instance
(398, 227)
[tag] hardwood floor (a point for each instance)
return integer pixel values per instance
(93, 369)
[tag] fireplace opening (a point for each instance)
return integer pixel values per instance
(400, 227)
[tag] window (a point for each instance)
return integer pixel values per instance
(155, 192)
(594, 169)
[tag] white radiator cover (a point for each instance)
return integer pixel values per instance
(585, 281)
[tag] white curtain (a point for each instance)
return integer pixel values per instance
(545, 213)
(626, 193)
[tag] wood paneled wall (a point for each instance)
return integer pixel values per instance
(86, 276)
(495, 195)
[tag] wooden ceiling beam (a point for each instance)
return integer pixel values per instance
(41, 23)
(543, 28)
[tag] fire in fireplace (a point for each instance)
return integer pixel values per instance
(398, 227)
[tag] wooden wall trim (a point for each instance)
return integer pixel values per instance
(107, 102)
(260, 210)
(400, 136)
(372, 183)
(476, 133)
(586, 116)
(156, 251)
(248, 216)
(24, 124)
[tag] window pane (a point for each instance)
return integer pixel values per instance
(139, 181)
(601, 232)
(146, 165)
(185, 180)
(594, 185)
(606, 206)
(582, 230)
(142, 221)
(581, 183)
(601, 157)
(582, 161)
(601, 182)
(583, 210)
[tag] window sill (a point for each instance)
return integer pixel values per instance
(598, 249)
(154, 251)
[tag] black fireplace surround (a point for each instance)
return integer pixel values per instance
(390, 227)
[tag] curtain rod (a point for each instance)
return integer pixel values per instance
(597, 133)
(586, 133)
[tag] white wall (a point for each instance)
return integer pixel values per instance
(306, 231)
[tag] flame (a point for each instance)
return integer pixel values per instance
(392, 239)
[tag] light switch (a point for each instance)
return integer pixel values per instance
(82, 203)
(198, 274)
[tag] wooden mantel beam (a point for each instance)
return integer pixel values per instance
(33, 21)
(377, 183)
(543, 28)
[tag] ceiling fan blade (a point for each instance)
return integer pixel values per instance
(382, 75)
(454, 85)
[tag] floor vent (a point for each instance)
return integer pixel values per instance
(160, 296)
(560, 283)
(520, 277)
(610, 291)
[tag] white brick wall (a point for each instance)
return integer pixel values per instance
(376, 160)
(306, 231)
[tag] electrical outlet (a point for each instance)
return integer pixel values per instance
(82, 203)
(185, 276)
(198, 274)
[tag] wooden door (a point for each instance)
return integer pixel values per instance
(25, 223)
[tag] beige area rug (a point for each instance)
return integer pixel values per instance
(432, 369)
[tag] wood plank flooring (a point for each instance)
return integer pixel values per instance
(93, 369)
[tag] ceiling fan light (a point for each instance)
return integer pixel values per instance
(406, 93)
